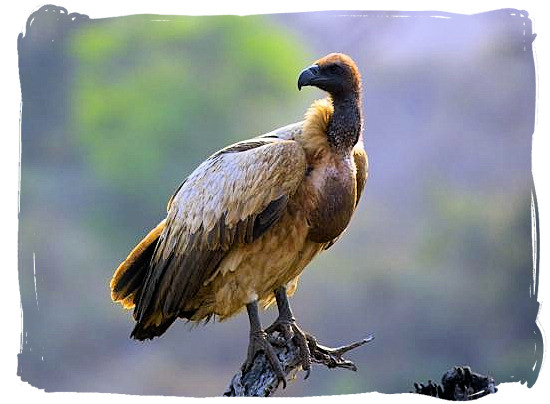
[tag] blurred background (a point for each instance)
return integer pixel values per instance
(438, 260)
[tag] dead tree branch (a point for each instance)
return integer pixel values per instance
(459, 384)
(261, 380)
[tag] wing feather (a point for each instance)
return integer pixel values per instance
(232, 197)
(362, 166)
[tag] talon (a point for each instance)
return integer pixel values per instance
(288, 329)
(283, 327)
(309, 349)
(258, 342)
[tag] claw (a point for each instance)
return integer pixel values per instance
(259, 343)
(289, 330)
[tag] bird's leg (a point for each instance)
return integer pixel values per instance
(286, 325)
(258, 342)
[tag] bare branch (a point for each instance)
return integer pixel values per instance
(459, 384)
(261, 380)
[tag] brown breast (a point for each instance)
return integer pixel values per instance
(330, 190)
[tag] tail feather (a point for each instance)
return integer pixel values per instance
(128, 278)
(146, 330)
(156, 324)
(127, 286)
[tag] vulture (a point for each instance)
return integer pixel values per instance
(246, 222)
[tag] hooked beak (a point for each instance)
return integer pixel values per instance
(308, 76)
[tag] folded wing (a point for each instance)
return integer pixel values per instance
(231, 198)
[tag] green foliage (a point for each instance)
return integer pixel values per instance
(153, 98)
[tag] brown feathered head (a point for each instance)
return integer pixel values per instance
(335, 73)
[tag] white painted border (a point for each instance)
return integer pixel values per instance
(14, 19)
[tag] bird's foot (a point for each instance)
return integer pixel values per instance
(259, 343)
(333, 357)
(289, 330)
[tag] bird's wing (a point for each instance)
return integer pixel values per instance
(288, 132)
(232, 197)
(362, 166)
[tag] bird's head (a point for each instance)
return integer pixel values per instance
(335, 73)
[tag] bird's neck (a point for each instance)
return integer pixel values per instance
(346, 123)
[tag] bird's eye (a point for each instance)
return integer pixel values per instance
(335, 69)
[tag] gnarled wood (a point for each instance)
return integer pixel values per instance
(261, 380)
(459, 383)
